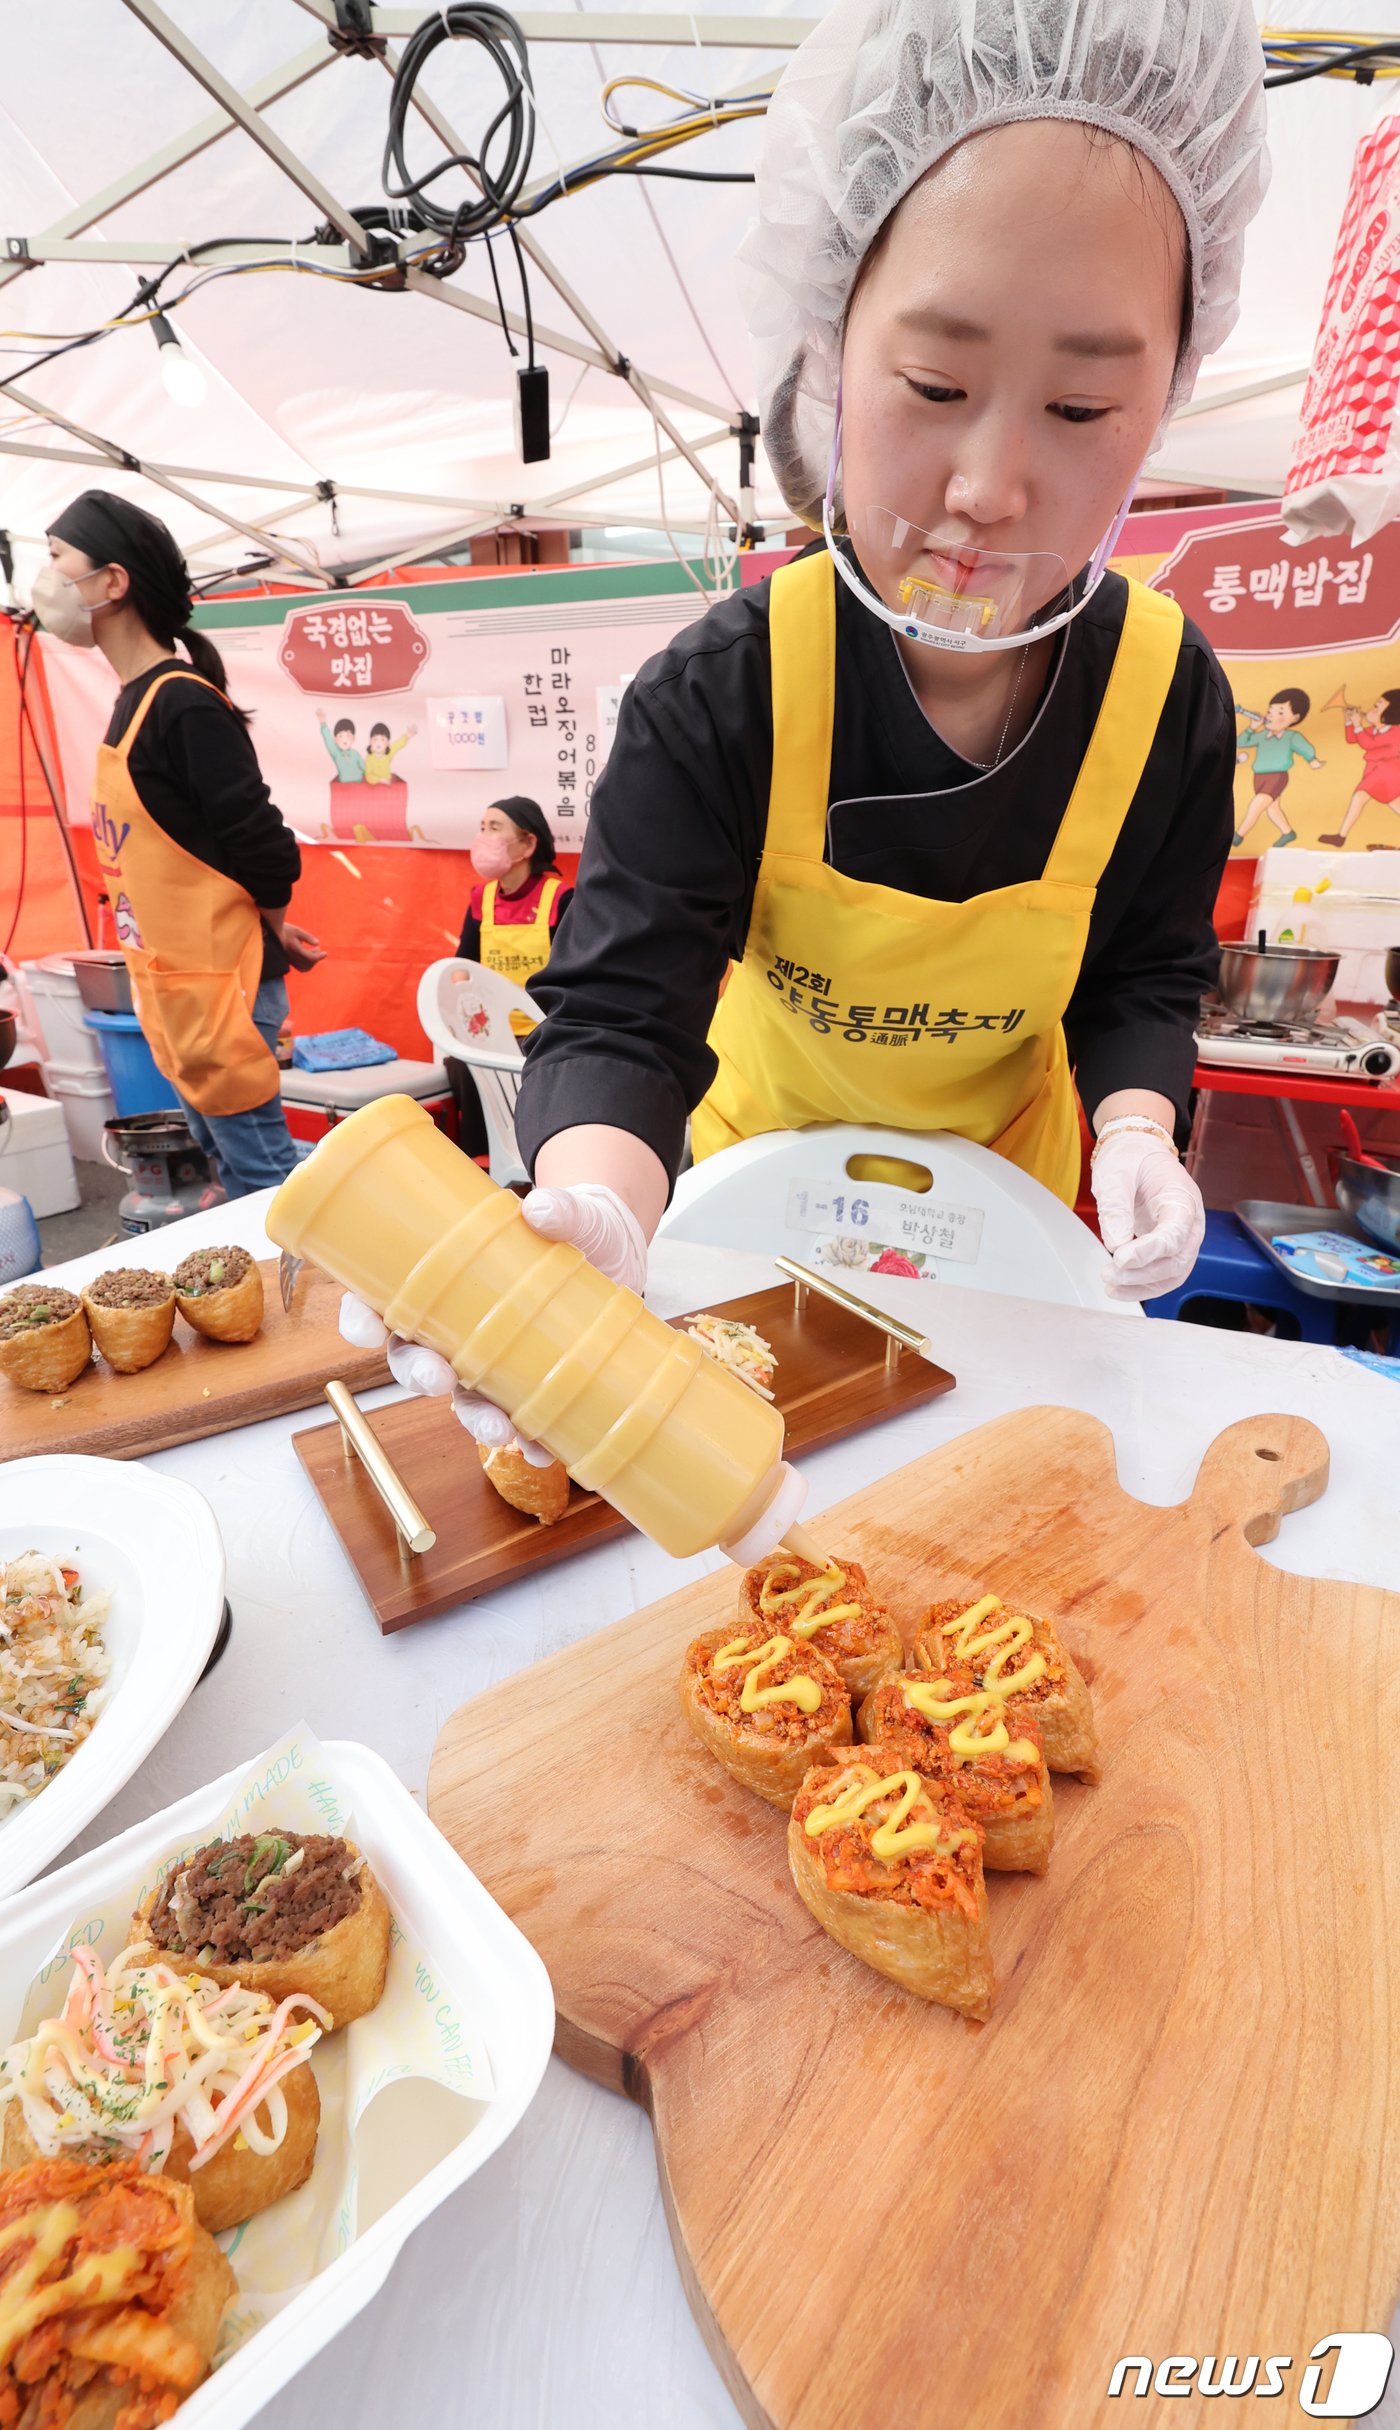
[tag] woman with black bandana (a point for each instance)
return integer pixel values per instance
(198, 862)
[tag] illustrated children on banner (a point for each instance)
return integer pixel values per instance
(368, 799)
(1272, 737)
(1375, 733)
(379, 758)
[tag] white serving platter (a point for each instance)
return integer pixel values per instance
(495, 1978)
(155, 1542)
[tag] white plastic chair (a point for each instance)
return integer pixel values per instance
(466, 1011)
(965, 1216)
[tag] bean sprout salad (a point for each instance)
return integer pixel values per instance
(53, 1665)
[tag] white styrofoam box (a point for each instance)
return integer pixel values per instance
(35, 1157)
(440, 1905)
(87, 1104)
(53, 989)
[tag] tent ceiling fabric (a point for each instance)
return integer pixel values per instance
(308, 380)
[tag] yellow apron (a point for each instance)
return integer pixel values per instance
(857, 1003)
(519, 949)
(192, 940)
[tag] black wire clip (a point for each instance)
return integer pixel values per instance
(353, 33)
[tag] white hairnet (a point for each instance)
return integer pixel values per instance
(882, 89)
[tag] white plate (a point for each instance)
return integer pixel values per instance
(440, 1905)
(156, 1544)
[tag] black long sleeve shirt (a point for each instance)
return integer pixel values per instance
(666, 884)
(194, 766)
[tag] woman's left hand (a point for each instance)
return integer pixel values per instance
(1152, 1218)
(303, 950)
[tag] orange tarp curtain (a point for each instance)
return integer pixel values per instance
(38, 904)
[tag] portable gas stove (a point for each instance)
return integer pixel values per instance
(1342, 1045)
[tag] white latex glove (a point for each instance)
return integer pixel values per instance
(1151, 1215)
(591, 1217)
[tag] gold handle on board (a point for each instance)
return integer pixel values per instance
(907, 1336)
(360, 1438)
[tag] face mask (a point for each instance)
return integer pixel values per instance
(955, 595)
(61, 607)
(491, 856)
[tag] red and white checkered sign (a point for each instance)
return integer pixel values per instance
(1348, 424)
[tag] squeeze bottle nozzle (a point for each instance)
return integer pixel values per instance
(635, 1411)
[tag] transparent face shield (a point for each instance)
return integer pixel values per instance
(951, 594)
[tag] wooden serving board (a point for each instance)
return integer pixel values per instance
(196, 1387)
(1179, 2133)
(833, 1377)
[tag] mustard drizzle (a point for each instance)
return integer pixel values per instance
(897, 1835)
(808, 1597)
(1010, 1635)
(981, 1730)
(758, 1659)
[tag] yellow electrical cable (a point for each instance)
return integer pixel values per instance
(1298, 42)
(701, 112)
(134, 320)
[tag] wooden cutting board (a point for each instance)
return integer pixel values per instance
(833, 1377)
(196, 1387)
(1179, 2133)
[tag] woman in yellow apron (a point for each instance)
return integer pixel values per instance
(950, 798)
(512, 918)
(516, 908)
(195, 859)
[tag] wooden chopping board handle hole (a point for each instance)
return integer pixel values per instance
(1256, 1472)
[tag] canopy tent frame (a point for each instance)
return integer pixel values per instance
(65, 241)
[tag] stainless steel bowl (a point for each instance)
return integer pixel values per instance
(1392, 972)
(1282, 983)
(1371, 1198)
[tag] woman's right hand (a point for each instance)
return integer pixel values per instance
(588, 1215)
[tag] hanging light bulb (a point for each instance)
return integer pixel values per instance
(184, 379)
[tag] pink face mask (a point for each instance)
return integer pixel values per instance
(491, 856)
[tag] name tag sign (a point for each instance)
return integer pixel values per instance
(467, 731)
(867, 1227)
(610, 697)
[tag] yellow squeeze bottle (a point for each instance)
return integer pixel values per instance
(636, 1411)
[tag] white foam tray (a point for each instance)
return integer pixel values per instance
(155, 1542)
(495, 1974)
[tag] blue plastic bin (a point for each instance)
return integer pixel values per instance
(137, 1087)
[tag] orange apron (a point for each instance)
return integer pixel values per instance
(518, 949)
(961, 1024)
(192, 940)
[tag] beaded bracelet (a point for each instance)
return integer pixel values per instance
(1134, 1122)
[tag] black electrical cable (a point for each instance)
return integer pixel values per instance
(1341, 58)
(525, 295)
(694, 177)
(496, 33)
(500, 300)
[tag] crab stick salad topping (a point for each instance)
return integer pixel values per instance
(139, 2051)
(738, 1347)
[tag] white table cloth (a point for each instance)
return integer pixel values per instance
(546, 2294)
